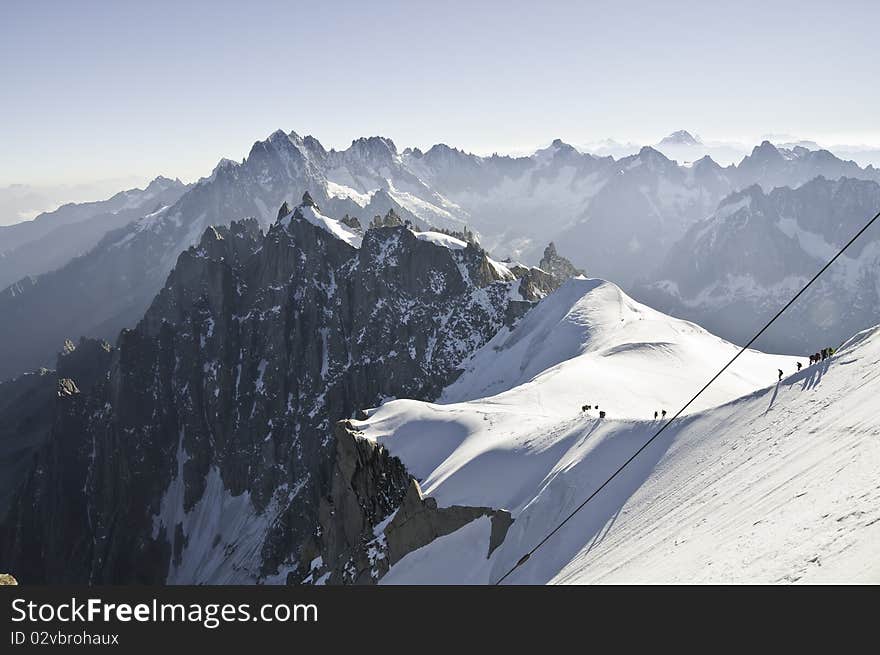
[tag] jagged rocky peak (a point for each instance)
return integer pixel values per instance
(314, 146)
(373, 148)
(749, 196)
(706, 163)
(390, 219)
(162, 183)
(224, 166)
(441, 157)
(562, 146)
(236, 240)
(557, 266)
(558, 150)
(307, 201)
(352, 222)
(653, 156)
(284, 210)
(280, 154)
(537, 282)
(765, 151)
(280, 136)
(565, 152)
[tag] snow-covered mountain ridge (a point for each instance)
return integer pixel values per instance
(760, 482)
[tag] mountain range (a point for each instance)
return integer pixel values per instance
(618, 219)
(733, 271)
(53, 238)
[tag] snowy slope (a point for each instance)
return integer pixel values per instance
(589, 341)
(330, 225)
(752, 490)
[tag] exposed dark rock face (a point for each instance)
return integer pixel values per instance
(376, 514)
(307, 200)
(390, 219)
(24, 427)
(28, 404)
(201, 448)
(352, 222)
(535, 283)
(368, 485)
(284, 210)
(419, 521)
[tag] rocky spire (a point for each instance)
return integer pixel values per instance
(391, 219)
(352, 222)
(308, 201)
(557, 266)
(284, 210)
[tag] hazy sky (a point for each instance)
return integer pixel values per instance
(104, 89)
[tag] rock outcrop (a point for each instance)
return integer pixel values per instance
(419, 521)
(376, 514)
(559, 268)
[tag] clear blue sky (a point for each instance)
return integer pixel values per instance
(104, 89)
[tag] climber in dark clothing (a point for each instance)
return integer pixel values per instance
(799, 366)
(663, 413)
(655, 416)
(780, 374)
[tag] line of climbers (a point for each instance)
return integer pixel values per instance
(815, 358)
(822, 355)
(587, 408)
